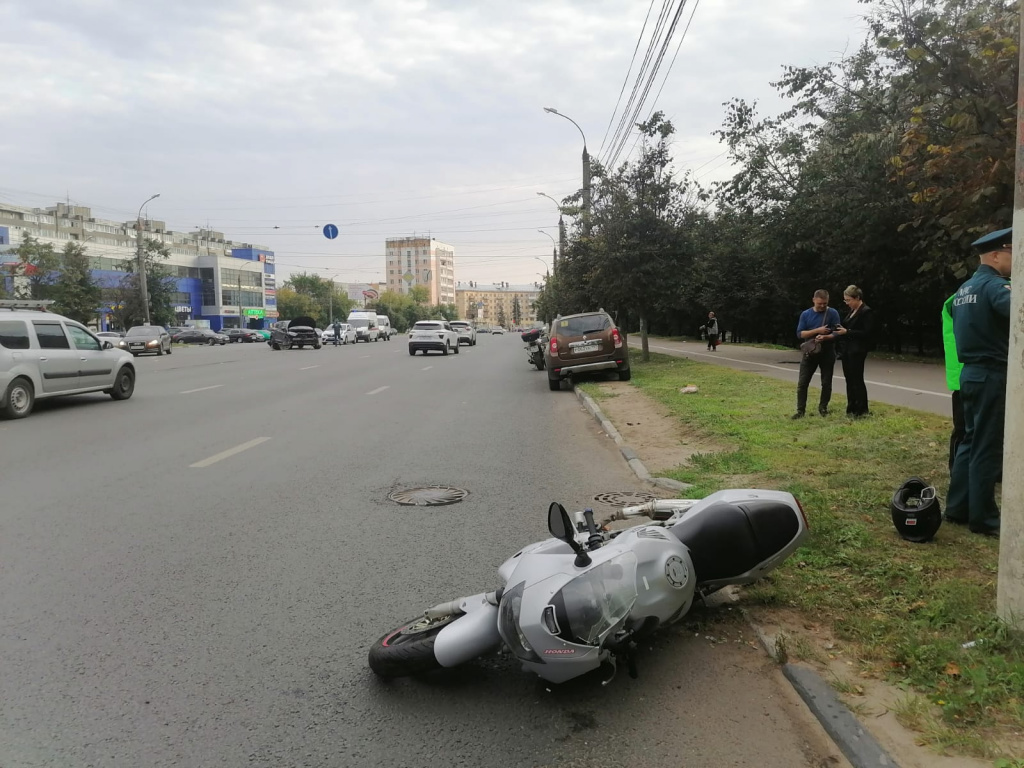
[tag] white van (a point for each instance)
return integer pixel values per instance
(384, 322)
(366, 325)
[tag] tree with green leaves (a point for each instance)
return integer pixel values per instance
(326, 300)
(75, 293)
(502, 318)
(517, 311)
(159, 281)
(39, 263)
(419, 294)
(292, 304)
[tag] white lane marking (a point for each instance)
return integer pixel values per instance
(427, 368)
(378, 390)
(364, 357)
(229, 453)
(309, 367)
(201, 389)
(716, 356)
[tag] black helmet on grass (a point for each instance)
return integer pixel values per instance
(916, 512)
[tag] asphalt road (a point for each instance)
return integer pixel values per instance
(921, 386)
(193, 577)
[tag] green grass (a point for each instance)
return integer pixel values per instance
(908, 608)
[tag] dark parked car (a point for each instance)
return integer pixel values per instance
(147, 338)
(585, 343)
(298, 333)
(201, 336)
(242, 335)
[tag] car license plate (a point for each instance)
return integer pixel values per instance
(590, 347)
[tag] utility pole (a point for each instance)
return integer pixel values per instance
(240, 310)
(1010, 590)
(586, 188)
(139, 252)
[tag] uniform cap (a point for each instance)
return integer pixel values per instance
(994, 240)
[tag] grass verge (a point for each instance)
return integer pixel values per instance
(906, 608)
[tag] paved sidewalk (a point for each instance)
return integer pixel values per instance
(912, 385)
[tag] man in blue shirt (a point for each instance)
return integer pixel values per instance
(819, 322)
(981, 327)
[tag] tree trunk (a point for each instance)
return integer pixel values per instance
(646, 356)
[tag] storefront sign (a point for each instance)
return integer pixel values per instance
(254, 313)
(183, 309)
(271, 313)
(228, 311)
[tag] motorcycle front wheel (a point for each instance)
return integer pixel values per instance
(408, 650)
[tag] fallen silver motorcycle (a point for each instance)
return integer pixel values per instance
(582, 599)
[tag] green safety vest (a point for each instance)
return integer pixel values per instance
(953, 364)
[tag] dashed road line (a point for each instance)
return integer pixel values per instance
(200, 389)
(378, 390)
(229, 453)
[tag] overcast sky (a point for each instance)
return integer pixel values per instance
(270, 118)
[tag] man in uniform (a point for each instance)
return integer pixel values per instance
(337, 331)
(981, 327)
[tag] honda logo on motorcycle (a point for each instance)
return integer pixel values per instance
(559, 651)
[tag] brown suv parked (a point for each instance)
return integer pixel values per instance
(585, 343)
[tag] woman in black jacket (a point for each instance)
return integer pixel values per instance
(855, 336)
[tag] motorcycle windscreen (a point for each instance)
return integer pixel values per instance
(596, 601)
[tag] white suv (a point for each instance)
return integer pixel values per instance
(47, 355)
(433, 334)
(467, 333)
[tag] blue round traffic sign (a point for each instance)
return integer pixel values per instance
(330, 231)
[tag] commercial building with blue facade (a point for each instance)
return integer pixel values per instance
(219, 283)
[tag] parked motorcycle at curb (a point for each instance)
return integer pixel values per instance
(581, 600)
(534, 347)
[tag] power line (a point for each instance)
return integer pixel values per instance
(650, 82)
(655, 34)
(626, 78)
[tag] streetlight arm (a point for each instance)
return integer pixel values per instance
(154, 197)
(554, 111)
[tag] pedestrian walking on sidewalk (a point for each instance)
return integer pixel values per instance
(981, 328)
(855, 337)
(817, 324)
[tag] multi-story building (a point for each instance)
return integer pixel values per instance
(495, 304)
(421, 261)
(220, 283)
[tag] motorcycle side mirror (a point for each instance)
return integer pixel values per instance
(561, 528)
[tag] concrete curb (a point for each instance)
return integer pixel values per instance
(627, 452)
(851, 738)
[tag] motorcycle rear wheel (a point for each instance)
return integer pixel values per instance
(408, 650)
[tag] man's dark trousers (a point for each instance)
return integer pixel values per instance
(957, 436)
(826, 362)
(979, 459)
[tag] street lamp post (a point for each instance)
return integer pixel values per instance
(554, 249)
(586, 170)
(561, 230)
(143, 289)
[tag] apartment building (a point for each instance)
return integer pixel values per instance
(489, 304)
(421, 261)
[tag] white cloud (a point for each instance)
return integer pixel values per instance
(255, 114)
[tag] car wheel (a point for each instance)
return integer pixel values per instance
(412, 352)
(211, 342)
(554, 384)
(445, 350)
(169, 348)
(317, 346)
(625, 374)
(160, 351)
(19, 397)
(124, 384)
(456, 349)
(275, 346)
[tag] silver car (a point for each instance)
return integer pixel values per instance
(47, 355)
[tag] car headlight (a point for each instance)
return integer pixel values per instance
(152, 343)
(508, 624)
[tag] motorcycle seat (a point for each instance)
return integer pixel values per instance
(728, 540)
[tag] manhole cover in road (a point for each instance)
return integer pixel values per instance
(429, 496)
(624, 498)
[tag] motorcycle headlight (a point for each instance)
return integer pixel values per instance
(508, 624)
